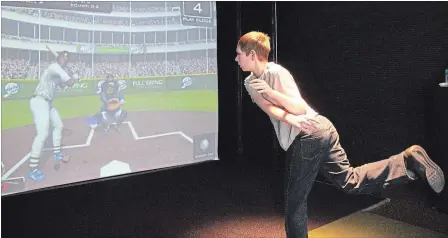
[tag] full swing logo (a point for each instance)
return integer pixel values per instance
(149, 83)
(76, 88)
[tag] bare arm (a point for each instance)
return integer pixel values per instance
(296, 105)
(73, 79)
(71, 82)
(282, 90)
(286, 93)
(67, 79)
(272, 110)
(299, 121)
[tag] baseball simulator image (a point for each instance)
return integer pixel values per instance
(111, 95)
(91, 96)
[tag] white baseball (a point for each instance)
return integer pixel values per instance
(204, 144)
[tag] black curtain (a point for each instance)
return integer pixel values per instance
(246, 134)
(369, 67)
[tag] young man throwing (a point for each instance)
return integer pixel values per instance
(311, 141)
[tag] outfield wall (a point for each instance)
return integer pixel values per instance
(23, 89)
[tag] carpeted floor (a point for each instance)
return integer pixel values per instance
(208, 200)
(413, 204)
(366, 225)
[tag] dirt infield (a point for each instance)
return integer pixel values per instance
(91, 150)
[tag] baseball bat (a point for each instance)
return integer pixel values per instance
(51, 50)
(56, 55)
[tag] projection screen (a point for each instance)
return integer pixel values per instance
(93, 90)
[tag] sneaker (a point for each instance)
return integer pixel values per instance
(418, 161)
(58, 157)
(36, 175)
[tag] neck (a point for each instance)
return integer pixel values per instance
(260, 67)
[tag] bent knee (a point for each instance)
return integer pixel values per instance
(58, 126)
(344, 186)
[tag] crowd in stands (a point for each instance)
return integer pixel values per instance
(139, 7)
(155, 68)
(20, 68)
(14, 68)
(75, 67)
(23, 69)
(137, 48)
(89, 19)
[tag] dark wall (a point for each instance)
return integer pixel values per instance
(258, 139)
(227, 83)
(246, 135)
(369, 67)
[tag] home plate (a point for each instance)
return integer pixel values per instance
(115, 167)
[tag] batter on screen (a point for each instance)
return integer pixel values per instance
(45, 115)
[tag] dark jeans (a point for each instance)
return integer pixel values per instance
(321, 151)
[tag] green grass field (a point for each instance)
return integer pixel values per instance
(16, 113)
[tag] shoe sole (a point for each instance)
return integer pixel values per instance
(36, 179)
(434, 174)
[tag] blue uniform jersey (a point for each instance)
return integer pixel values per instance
(109, 90)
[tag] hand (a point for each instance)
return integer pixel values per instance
(302, 122)
(75, 77)
(62, 85)
(261, 86)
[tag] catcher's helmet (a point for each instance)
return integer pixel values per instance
(109, 77)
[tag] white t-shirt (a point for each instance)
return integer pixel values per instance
(279, 79)
(51, 77)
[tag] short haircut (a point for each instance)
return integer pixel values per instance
(256, 41)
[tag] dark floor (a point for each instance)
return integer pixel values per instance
(207, 200)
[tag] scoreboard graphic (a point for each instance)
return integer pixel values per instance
(86, 6)
(197, 13)
(193, 13)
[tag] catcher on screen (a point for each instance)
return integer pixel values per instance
(112, 98)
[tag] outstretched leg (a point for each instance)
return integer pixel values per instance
(401, 168)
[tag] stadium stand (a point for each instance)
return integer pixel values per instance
(25, 64)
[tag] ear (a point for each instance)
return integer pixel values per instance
(253, 54)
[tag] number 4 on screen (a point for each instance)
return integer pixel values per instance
(198, 8)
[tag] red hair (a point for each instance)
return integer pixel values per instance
(256, 41)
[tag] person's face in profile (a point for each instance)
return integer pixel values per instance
(244, 60)
(63, 60)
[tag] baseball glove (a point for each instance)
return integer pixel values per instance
(113, 104)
